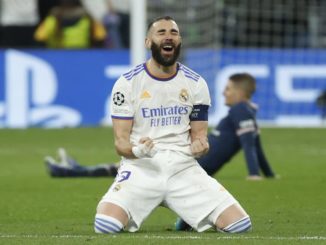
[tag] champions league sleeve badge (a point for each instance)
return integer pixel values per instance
(118, 98)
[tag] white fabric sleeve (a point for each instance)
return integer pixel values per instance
(120, 104)
(202, 96)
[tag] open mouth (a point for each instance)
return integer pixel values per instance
(168, 48)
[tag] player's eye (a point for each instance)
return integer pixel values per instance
(161, 32)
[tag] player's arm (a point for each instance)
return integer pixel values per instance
(247, 141)
(199, 143)
(122, 130)
(262, 160)
(199, 120)
(246, 131)
(122, 115)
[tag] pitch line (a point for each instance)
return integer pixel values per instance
(299, 238)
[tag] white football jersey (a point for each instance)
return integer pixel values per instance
(159, 108)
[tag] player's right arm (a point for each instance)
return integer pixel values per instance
(246, 131)
(122, 113)
(262, 160)
(122, 129)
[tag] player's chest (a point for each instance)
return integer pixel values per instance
(161, 93)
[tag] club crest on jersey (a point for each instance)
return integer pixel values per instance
(183, 96)
(118, 98)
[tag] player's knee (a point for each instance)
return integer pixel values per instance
(241, 225)
(106, 224)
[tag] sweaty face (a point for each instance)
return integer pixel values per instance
(165, 42)
(232, 94)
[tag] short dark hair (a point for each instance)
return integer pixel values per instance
(158, 19)
(246, 82)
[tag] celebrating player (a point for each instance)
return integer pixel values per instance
(239, 129)
(159, 111)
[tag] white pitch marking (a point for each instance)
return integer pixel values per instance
(173, 237)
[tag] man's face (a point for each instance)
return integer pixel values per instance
(232, 94)
(165, 42)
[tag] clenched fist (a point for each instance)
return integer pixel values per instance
(145, 148)
(199, 147)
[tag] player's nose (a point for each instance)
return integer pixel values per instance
(168, 39)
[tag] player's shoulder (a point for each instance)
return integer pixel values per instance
(240, 106)
(243, 108)
(189, 73)
(132, 73)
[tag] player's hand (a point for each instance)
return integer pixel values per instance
(199, 147)
(145, 148)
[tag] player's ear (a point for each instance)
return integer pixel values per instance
(242, 93)
(148, 43)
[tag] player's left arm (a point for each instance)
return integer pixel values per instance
(199, 120)
(199, 143)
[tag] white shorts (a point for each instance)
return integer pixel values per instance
(171, 179)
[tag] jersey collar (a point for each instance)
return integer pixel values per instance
(159, 78)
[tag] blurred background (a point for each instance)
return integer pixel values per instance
(60, 58)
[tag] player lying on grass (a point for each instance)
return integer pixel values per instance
(239, 129)
(66, 166)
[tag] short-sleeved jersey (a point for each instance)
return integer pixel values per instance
(240, 119)
(237, 130)
(160, 108)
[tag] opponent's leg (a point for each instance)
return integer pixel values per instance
(99, 170)
(233, 220)
(66, 166)
(110, 218)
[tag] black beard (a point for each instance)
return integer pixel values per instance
(156, 54)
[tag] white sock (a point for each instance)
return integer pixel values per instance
(107, 224)
(239, 226)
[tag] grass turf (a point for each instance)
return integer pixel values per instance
(38, 209)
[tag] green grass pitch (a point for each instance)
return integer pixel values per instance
(38, 209)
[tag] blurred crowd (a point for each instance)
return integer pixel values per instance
(205, 23)
(64, 24)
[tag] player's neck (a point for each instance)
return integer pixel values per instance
(159, 70)
(238, 101)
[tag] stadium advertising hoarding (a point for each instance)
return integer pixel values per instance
(58, 88)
